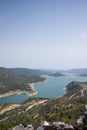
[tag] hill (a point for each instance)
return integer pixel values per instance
(28, 72)
(12, 80)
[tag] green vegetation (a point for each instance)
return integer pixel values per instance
(11, 81)
(28, 72)
(75, 88)
(54, 110)
(65, 108)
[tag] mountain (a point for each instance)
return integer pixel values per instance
(78, 71)
(34, 111)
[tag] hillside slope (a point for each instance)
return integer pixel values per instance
(12, 81)
(28, 72)
(34, 111)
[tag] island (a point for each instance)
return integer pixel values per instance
(56, 74)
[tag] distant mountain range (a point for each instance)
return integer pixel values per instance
(79, 71)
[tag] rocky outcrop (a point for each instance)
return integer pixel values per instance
(81, 124)
(56, 126)
(21, 127)
(82, 121)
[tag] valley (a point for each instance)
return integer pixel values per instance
(34, 110)
(37, 108)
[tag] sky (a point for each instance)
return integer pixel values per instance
(49, 34)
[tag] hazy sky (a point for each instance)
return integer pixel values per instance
(43, 33)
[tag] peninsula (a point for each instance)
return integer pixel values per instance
(18, 82)
(30, 93)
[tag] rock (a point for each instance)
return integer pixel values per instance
(81, 124)
(62, 126)
(18, 127)
(43, 125)
(21, 127)
(56, 126)
(29, 127)
(40, 128)
(82, 121)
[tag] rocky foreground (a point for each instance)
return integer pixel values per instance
(81, 124)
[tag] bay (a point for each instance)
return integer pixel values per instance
(52, 88)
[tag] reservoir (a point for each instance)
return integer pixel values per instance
(52, 88)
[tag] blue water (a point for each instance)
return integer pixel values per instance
(52, 88)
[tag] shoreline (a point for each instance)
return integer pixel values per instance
(31, 93)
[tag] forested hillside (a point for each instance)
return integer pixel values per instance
(28, 72)
(10, 80)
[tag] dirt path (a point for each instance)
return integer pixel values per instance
(8, 108)
(81, 91)
(35, 104)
